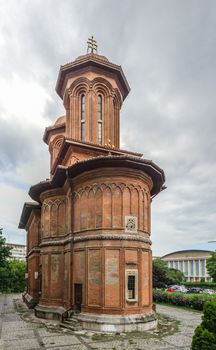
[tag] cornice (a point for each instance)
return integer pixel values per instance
(94, 61)
(97, 237)
(122, 161)
(28, 208)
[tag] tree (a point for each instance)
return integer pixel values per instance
(160, 279)
(12, 271)
(211, 266)
(175, 276)
(5, 252)
(163, 275)
(12, 276)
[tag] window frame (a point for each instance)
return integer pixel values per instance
(134, 273)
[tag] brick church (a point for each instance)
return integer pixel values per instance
(88, 227)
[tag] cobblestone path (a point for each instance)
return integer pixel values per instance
(18, 334)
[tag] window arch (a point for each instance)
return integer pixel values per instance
(99, 119)
(56, 145)
(82, 110)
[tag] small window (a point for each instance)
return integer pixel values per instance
(131, 285)
(99, 119)
(82, 109)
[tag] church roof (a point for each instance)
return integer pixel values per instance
(61, 120)
(126, 161)
(204, 247)
(93, 60)
(27, 209)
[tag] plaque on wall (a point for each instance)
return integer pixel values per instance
(131, 224)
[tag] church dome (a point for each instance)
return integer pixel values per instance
(60, 120)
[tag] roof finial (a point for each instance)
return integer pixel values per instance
(92, 45)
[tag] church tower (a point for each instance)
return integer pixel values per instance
(88, 229)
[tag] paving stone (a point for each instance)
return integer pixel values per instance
(69, 347)
(24, 344)
(186, 330)
(58, 340)
(179, 340)
(11, 326)
(109, 345)
(18, 334)
(43, 332)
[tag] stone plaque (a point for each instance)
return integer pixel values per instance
(131, 224)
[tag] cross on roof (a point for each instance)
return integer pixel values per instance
(92, 45)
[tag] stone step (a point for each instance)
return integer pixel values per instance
(72, 319)
(71, 323)
(71, 326)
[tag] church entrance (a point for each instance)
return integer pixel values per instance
(77, 296)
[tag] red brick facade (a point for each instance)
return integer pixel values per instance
(88, 231)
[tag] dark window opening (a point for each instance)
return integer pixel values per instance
(131, 287)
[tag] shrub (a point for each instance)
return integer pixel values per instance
(209, 316)
(179, 299)
(205, 335)
(203, 340)
(203, 285)
(197, 302)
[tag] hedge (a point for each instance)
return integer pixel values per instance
(204, 285)
(179, 299)
(205, 335)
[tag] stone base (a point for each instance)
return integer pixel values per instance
(50, 312)
(30, 301)
(117, 323)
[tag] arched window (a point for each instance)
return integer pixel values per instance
(99, 119)
(82, 109)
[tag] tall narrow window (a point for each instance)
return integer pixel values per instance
(99, 119)
(82, 117)
(131, 285)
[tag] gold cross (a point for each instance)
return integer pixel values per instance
(92, 45)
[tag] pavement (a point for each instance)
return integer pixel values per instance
(21, 330)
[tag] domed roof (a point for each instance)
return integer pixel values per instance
(86, 61)
(60, 120)
(90, 55)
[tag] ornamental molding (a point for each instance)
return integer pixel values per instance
(101, 237)
(145, 181)
(113, 238)
(33, 250)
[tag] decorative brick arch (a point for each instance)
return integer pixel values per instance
(55, 147)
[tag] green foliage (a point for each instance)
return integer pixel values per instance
(211, 266)
(162, 275)
(159, 273)
(203, 340)
(5, 252)
(209, 316)
(205, 335)
(12, 276)
(175, 276)
(181, 299)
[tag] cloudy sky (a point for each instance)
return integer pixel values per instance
(167, 49)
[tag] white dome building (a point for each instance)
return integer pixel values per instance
(192, 261)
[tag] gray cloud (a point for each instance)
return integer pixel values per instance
(168, 52)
